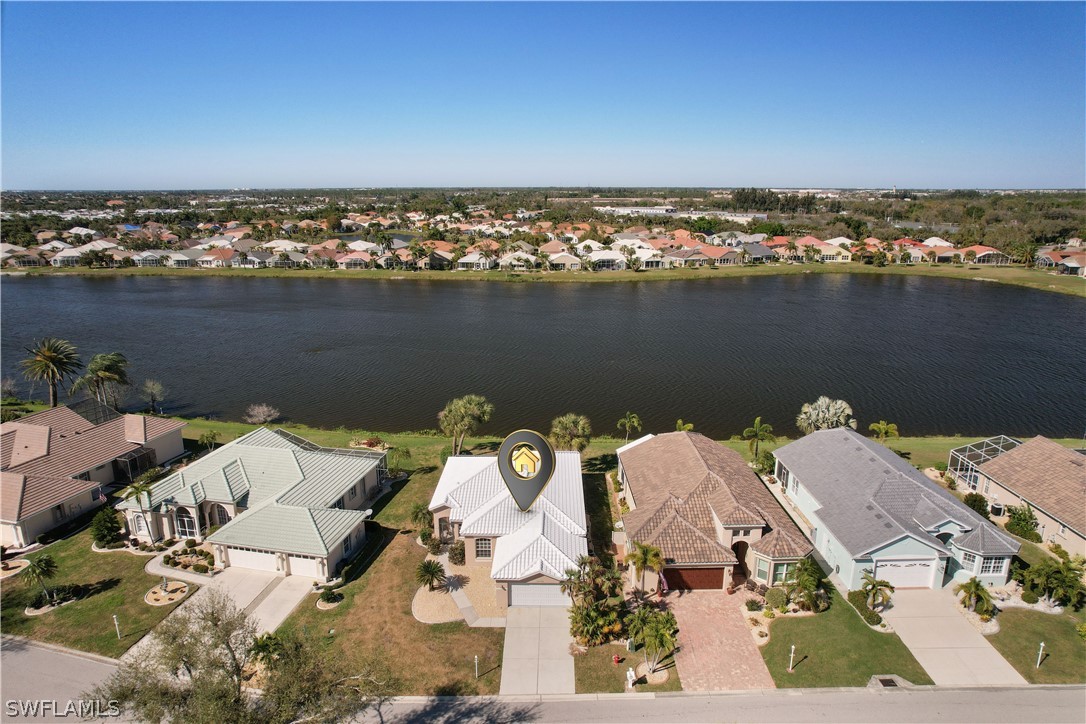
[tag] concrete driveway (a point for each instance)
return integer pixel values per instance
(946, 645)
(536, 659)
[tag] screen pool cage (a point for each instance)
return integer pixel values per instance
(134, 463)
(964, 460)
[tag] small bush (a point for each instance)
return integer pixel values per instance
(374, 441)
(260, 414)
(1081, 629)
(200, 568)
(753, 604)
(425, 535)
(941, 467)
(190, 542)
(40, 539)
(144, 547)
(446, 453)
(859, 602)
(769, 613)
(457, 556)
(1029, 596)
(330, 595)
(755, 621)
(115, 545)
(616, 483)
(763, 634)
(977, 502)
(1060, 551)
(159, 547)
(775, 598)
(168, 542)
(434, 546)
(1027, 533)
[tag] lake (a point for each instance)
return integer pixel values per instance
(935, 356)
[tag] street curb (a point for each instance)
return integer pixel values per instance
(97, 658)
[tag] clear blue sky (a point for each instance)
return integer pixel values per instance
(207, 95)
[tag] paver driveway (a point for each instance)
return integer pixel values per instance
(946, 645)
(536, 659)
(716, 651)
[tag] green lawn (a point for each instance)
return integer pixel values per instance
(1021, 633)
(1014, 275)
(596, 673)
(836, 648)
(117, 584)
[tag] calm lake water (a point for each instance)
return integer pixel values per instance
(936, 356)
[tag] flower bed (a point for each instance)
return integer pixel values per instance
(173, 592)
(198, 560)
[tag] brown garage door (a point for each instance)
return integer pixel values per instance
(687, 579)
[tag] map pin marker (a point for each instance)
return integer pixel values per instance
(526, 463)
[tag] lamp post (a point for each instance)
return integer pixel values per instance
(791, 658)
(1040, 653)
(476, 666)
(117, 626)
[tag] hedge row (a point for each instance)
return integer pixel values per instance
(859, 602)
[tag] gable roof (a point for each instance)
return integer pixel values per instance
(869, 496)
(1046, 474)
(681, 480)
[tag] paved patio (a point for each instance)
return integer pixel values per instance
(946, 645)
(716, 651)
(537, 659)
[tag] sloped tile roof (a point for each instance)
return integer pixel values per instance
(1046, 474)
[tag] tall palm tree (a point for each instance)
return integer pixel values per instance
(41, 569)
(974, 595)
(659, 638)
(105, 372)
(823, 414)
(51, 361)
(876, 591)
(808, 586)
(930, 255)
(757, 433)
(883, 430)
(681, 426)
(629, 421)
(642, 557)
(571, 432)
(430, 573)
(137, 490)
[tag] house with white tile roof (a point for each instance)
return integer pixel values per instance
(528, 551)
(268, 501)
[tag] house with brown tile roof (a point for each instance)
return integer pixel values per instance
(707, 511)
(55, 463)
(1041, 473)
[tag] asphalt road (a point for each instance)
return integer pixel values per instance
(32, 673)
(1033, 704)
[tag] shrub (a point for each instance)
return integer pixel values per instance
(446, 453)
(616, 483)
(1023, 523)
(58, 594)
(434, 546)
(159, 547)
(755, 621)
(1081, 629)
(200, 568)
(753, 604)
(168, 542)
(775, 598)
(859, 602)
(115, 545)
(105, 527)
(374, 441)
(190, 542)
(149, 476)
(763, 634)
(1030, 596)
(769, 613)
(260, 413)
(977, 502)
(40, 539)
(331, 595)
(456, 553)
(941, 467)
(1060, 551)
(425, 535)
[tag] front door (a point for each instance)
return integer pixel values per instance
(186, 524)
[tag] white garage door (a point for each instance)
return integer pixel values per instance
(527, 594)
(252, 559)
(907, 574)
(307, 567)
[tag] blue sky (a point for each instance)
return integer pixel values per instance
(208, 95)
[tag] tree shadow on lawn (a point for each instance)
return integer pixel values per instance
(378, 539)
(490, 446)
(456, 711)
(393, 490)
(601, 463)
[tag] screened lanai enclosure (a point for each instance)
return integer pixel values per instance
(964, 460)
(132, 464)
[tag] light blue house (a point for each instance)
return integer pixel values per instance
(869, 509)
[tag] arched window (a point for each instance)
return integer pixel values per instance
(219, 516)
(140, 523)
(186, 524)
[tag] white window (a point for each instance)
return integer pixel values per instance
(346, 545)
(992, 565)
(762, 572)
(969, 561)
(482, 548)
(354, 492)
(987, 484)
(1063, 529)
(783, 572)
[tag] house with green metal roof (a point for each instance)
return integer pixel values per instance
(269, 501)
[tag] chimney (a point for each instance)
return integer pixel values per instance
(135, 429)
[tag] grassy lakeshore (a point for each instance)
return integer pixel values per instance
(1013, 275)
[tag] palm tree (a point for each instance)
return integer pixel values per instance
(659, 638)
(421, 516)
(883, 430)
(462, 417)
(638, 622)
(629, 421)
(41, 569)
(974, 595)
(808, 586)
(51, 361)
(931, 256)
(105, 372)
(876, 591)
(430, 573)
(136, 490)
(267, 648)
(681, 426)
(571, 432)
(758, 433)
(970, 256)
(792, 248)
(823, 414)
(644, 557)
